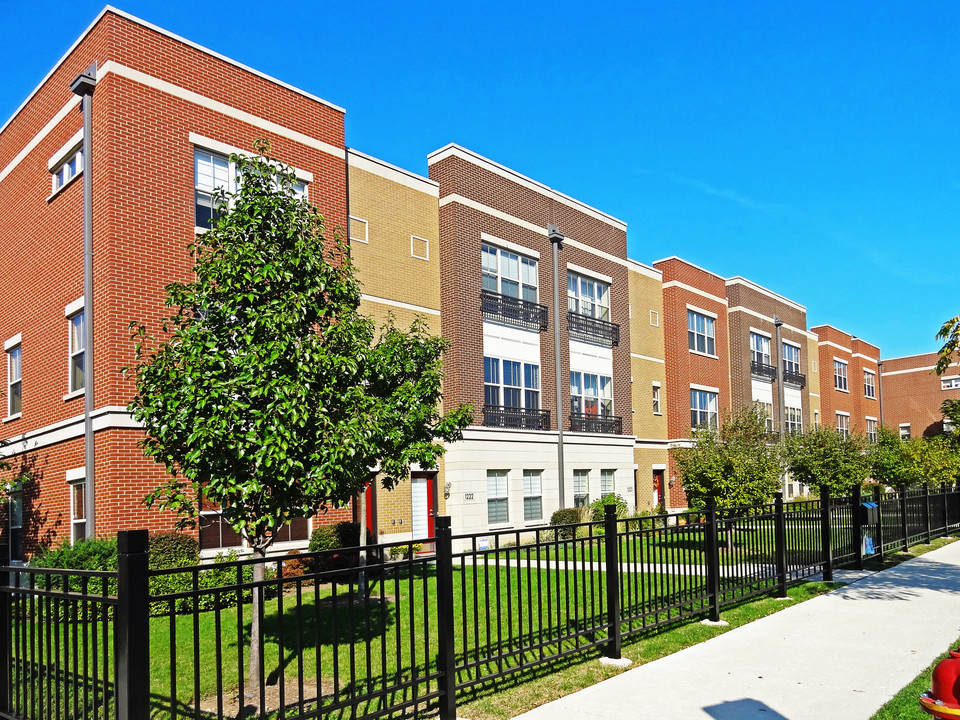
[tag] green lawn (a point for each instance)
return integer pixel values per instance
(905, 705)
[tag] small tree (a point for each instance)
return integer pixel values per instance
(735, 465)
(822, 457)
(950, 334)
(887, 458)
(269, 394)
(930, 460)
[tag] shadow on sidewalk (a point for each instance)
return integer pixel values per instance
(899, 583)
(740, 709)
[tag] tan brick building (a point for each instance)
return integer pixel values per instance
(394, 243)
(912, 393)
(849, 386)
(496, 300)
(648, 375)
(166, 114)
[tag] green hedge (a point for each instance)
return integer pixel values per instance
(564, 517)
(597, 507)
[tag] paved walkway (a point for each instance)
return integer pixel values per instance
(839, 656)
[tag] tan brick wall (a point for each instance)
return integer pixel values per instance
(813, 383)
(646, 338)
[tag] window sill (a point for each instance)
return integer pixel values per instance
(499, 526)
(841, 390)
(63, 187)
(703, 354)
(73, 394)
(658, 414)
(11, 418)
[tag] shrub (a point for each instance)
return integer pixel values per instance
(295, 566)
(598, 505)
(88, 554)
(328, 538)
(172, 550)
(563, 518)
(403, 551)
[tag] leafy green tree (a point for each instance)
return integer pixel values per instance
(887, 458)
(950, 334)
(931, 460)
(268, 393)
(822, 457)
(735, 465)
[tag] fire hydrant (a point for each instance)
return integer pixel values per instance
(943, 700)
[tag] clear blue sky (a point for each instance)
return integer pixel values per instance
(810, 147)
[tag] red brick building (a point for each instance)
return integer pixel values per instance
(697, 356)
(849, 386)
(166, 114)
(913, 393)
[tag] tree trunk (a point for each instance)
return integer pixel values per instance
(256, 631)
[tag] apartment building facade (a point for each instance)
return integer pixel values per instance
(166, 114)
(697, 356)
(496, 295)
(648, 376)
(849, 383)
(912, 394)
(394, 236)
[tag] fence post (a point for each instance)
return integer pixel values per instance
(612, 552)
(856, 527)
(826, 534)
(6, 644)
(446, 656)
(946, 519)
(878, 498)
(713, 560)
(903, 518)
(780, 542)
(131, 627)
(926, 512)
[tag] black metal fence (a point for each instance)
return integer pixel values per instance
(388, 631)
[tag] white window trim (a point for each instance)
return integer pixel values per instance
(791, 342)
(702, 311)
(539, 520)
(703, 354)
(707, 388)
(366, 230)
(11, 343)
(426, 243)
(522, 387)
(69, 310)
(765, 334)
(592, 274)
(8, 347)
(710, 315)
(846, 374)
(841, 412)
(74, 477)
(66, 151)
(655, 318)
(74, 307)
(222, 148)
(873, 374)
(656, 396)
(510, 246)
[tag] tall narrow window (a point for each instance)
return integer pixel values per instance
(656, 400)
(586, 296)
(77, 347)
(905, 431)
(211, 173)
(869, 384)
(843, 425)
(67, 170)
(759, 348)
(78, 511)
(14, 398)
(768, 411)
(532, 495)
(703, 408)
(15, 510)
(871, 430)
(840, 375)
(793, 420)
(607, 486)
(791, 358)
(497, 498)
(581, 485)
(701, 333)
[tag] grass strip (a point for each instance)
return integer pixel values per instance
(906, 704)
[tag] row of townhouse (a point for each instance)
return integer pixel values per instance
(583, 366)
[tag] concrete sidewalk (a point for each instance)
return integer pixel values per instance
(839, 656)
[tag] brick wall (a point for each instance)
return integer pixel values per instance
(913, 393)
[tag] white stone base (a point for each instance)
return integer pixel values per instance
(612, 662)
(718, 623)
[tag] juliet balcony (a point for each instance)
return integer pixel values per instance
(605, 424)
(589, 329)
(794, 378)
(514, 418)
(763, 370)
(513, 311)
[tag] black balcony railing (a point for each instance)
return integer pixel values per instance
(794, 378)
(607, 424)
(513, 311)
(515, 418)
(591, 329)
(763, 370)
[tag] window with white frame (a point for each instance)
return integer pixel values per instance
(508, 273)
(840, 375)
(905, 431)
(589, 297)
(655, 318)
(843, 424)
(951, 383)
(948, 425)
(701, 333)
(816, 418)
(359, 230)
(215, 533)
(510, 383)
(759, 348)
(68, 169)
(591, 394)
(656, 399)
(793, 420)
(869, 384)
(15, 514)
(532, 495)
(419, 248)
(791, 358)
(607, 482)
(78, 510)
(581, 488)
(14, 387)
(871, 430)
(703, 408)
(77, 348)
(498, 510)
(768, 411)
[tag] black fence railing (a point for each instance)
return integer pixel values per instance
(387, 631)
(513, 311)
(793, 377)
(592, 329)
(515, 418)
(764, 370)
(584, 422)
